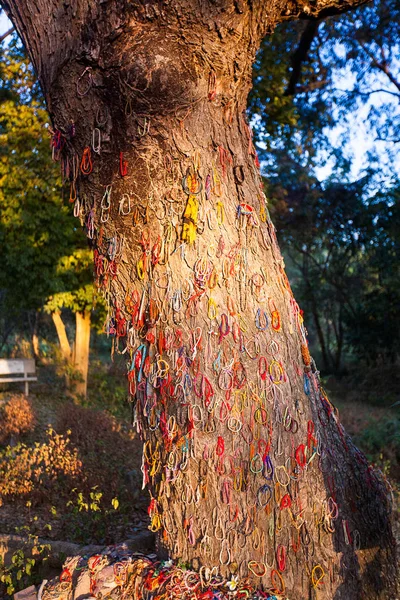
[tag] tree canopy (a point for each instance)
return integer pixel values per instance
(45, 259)
(313, 81)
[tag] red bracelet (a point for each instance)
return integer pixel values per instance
(281, 557)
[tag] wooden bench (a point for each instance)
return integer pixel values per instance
(13, 370)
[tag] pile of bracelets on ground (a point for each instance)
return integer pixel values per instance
(118, 574)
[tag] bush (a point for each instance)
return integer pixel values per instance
(88, 519)
(24, 568)
(380, 440)
(107, 389)
(41, 470)
(108, 452)
(16, 417)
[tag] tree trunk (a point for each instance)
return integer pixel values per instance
(248, 467)
(62, 335)
(81, 350)
(318, 327)
(339, 332)
(33, 322)
(321, 338)
(35, 336)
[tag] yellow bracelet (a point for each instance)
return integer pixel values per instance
(315, 580)
(258, 569)
(212, 309)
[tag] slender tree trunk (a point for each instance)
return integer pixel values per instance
(339, 340)
(81, 350)
(248, 467)
(315, 314)
(33, 320)
(62, 335)
(321, 338)
(320, 333)
(35, 337)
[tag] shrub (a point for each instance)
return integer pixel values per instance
(40, 470)
(108, 452)
(24, 568)
(89, 519)
(380, 440)
(107, 389)
(16, 417)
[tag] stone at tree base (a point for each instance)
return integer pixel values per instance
(82, 588)
(28, 593)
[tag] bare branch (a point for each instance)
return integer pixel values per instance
(6, 34)
(381, 65)
(315, 85)
(301, 55)
(391, 140)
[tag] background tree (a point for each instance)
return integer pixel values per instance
(306, 106)
(373, 329)
(45, 259)
(327, 72)
(148, 101)
(30, 205)
(333, 236)
(74, 272)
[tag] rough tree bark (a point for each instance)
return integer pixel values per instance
(248, 467)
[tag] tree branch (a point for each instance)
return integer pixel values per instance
(318, 9)
(301, 55)
(381, 66)
(6, 34)
(366, 93)
(315, 85)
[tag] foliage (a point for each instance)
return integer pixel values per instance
(339, 233)
(342, 248)
(16, 417)
(312, 77)
(373, 331)
(108, 388)
(44, 470)
(89, 517)
(380, 440)
(74, 273)
(23, 569)
(366, 44)
(36, 228)
(110, 456)
(45, 259)
(108, 451)
(284, 125)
